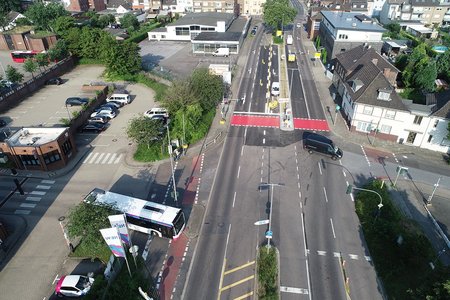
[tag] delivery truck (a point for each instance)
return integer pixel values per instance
(222, 52)
(289, 39)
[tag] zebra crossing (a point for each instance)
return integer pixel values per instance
(34, 197)
(102, 158)
(341, 255)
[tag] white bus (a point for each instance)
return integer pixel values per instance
(144, 216)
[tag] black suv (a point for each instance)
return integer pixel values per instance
(76, 101)
(54, 81)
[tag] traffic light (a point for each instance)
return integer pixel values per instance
(349, 189)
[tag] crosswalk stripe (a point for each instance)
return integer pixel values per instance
(118, 159)
(38, 193)
(353, 256)
(35, 199)
(288, 289)
(43, 187)
(22, 212)
(336, 254)
(321, 252)
(88, 157)
(99, 158)
(113, 157)
(28, 205)
(47, 181)
(106, 158)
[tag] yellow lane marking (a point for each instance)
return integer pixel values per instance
(240, 267)
(221, 279)
(244, 296)
(237, 283)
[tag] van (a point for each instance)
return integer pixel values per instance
(289, 40)
(275, 90)
(222, 52)
(319, 143)
(156, 112)
(119, 98)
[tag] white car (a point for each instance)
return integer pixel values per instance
(299, 25)
(275, 88)
(73, 286)
(157, 111)
(107, 113)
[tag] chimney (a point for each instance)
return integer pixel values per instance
(375, 61)
(386, 72)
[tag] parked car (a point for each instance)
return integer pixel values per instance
(103, 108)
(275, 88)
(6, 83)
(114, 105)
(254, 30)
(73, 286)
(156, 111)
(104, 113)
(3, 123)
(299, 25)
(76, 101)
(99, 119)
(121, 91)
(54, 81)
(93, 127)
(122, 98)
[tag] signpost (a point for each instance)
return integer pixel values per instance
(337, 109)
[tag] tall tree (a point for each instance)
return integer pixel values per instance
(129, 21)
(30, 66)
(124, 59)
(179, 96)
(208, 88)
(89, 38)
(105, 20)
(8, 5)
(443, 64)
(58, 51)
(62, 24)
(42, 15)
(42, 60)
(144, 131)
(425, 75)
(278, 13)
(13, 75)
(419, 53)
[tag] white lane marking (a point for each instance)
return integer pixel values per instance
(106, 158)
(242, 150)
(147, 245)
(264, 140)
(22, 212)
(325, 193)
(239, 171)
(99, 158)
(351, 196)
(323, 253)
(245, 132)
(343, 172)
(28, 205)
(113, 157)
(353, 256)
(118, 159)
(287, 289)
(332, 228)
(307, 276)
(38, 193)
(47, 181)
(336, 254)
(264, 132)
(320, 168)
(365, 155)
(43, 187)
(88, 158)
(367, 258)
(35, 199)
(234, 198)
(304, 234)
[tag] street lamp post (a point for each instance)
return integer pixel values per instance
(434, 191)
(171, 166)
(400, 169)
(350, 188)
(269, 232)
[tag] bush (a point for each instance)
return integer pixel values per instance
(278, 40)
(156, 152)
(267, 273)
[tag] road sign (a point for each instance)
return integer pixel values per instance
(269, 234)
(261, 222)
(338, 107)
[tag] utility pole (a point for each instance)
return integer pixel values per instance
(434, 190)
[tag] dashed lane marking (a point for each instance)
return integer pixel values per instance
(293, 290)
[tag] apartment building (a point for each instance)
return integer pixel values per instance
(428, 12)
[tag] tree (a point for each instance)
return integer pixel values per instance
(425, 75)
(30, 66)
(4, 21)
(72, 38)
(8, 5)
(443, 65)
(124, 59)
(145, 131)
(13, 75)
(42, 15)
(129, 20)
(419, 53)
(85, 221)
(42, 60)
(207, 88)
(278, 13)
(105, 20)
(62, 24)
(179, 96)
(58, 51)
(89, 39)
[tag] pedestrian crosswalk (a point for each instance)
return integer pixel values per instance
(102, 158)
(34, 197)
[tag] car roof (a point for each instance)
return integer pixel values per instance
(70, 280)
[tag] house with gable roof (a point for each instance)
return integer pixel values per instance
(365, 81)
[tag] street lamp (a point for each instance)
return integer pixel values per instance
(171, 166)
(434, 191)
(269, 232)
(350, 189)
(401, 170)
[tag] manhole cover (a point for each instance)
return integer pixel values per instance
(114, 140)
(62, 218)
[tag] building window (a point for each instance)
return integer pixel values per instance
(418, 120)
(436, 123)
(67, 147)
(368, 110)
(383, 95)
(181, 31)
(430, 137)
(343, 50)
(386, 129)
(51, 157)
(153, 36)
(390, 114)
(363, 126)
(29, 160)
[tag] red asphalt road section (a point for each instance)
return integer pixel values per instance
(272, 121)
(177, 248)
(172, 266)
(255, 121)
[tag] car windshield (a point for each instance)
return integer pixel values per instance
(83, 283)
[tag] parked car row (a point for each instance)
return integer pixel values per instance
(99, 119)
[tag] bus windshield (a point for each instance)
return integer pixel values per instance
(179, 222)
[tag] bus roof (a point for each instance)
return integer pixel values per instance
(133, 206)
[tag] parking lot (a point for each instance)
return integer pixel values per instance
(5, 60)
